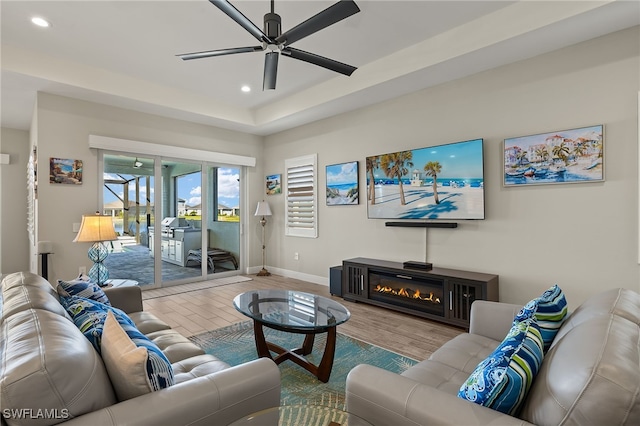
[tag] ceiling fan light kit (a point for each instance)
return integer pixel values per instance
(277, 43)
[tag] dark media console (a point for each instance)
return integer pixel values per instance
(439, 294)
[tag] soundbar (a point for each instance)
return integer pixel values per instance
(423, 224)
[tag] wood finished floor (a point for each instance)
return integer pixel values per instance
(198, 311)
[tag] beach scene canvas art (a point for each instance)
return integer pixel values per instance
(568, 156)
(274, 184)
(65, 171)
(437, 182)
(342, 184)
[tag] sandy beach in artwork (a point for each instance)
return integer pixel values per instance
(455, 203)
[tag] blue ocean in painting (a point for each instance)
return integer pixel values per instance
(343, 187)
(548, 178)
(447, 182)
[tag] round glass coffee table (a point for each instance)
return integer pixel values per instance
(295, 415)
(294, 312)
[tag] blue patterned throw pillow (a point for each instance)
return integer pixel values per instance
(82, 288)
(502, 380)
(551, 313)
(89, 316)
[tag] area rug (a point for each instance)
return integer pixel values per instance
(235, 345)
(185, 288)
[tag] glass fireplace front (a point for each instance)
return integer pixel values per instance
(411, 292)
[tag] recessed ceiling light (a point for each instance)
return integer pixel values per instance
(245, 88)
(41, 22)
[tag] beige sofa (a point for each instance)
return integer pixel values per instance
(50, 373)
(589, 376)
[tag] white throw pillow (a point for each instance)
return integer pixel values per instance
(126, 363)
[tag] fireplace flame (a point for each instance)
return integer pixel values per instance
(407, 292)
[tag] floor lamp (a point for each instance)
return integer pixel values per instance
(263, 210)
(96, 229)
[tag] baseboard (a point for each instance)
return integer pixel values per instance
(292, 274)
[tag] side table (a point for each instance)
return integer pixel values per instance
(120, 283)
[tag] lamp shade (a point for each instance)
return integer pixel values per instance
(96, 228)
(263, 209)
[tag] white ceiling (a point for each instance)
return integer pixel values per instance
(123, 53)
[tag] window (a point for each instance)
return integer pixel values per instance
(226, 194)
(302, 215)
(188, 200)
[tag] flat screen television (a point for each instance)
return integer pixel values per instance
(443, 182)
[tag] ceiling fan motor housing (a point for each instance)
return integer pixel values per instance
(272, 25)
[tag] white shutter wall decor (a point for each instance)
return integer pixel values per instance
(302, 215)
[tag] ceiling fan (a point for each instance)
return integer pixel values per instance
(278, 43)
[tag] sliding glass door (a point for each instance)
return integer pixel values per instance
(181, 233)
(128, 197)
(178, 221)
(223, 220)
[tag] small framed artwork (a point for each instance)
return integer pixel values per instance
(65, 171)
(342, 184)
(274, 184)
(567, 156)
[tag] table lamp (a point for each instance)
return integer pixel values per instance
(263, 210)
(96, 229)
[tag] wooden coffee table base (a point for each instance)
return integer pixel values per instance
(321, 371)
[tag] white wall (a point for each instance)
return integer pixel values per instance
(14, 247)
(63, 128)
(582, 236)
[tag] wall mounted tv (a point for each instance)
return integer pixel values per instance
(437, 182)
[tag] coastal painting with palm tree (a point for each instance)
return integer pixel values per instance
(437, 182)
(395, 166)
(567, 156)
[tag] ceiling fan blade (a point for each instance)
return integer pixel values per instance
(242, 20)
(220, 52)
(335, 13)
(270, 71)
(312, 58)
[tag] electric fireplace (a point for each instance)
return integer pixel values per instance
(423, 294)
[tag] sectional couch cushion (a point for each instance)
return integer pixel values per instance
(147, 322)
(174, 345)
(46, 362)
(502, 380)
(134, 369)
(590, 374)
(82, 288)
(21, 292)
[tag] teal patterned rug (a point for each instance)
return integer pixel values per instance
(235, 345)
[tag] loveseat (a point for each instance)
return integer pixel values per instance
(50, 373)
(589, 376)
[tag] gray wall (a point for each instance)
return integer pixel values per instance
(14, 240)
(582, 236)
(63, 127)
